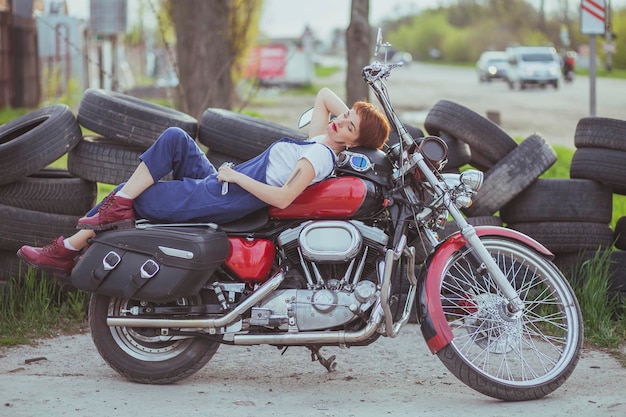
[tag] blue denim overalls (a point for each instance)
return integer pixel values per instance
(194, 194)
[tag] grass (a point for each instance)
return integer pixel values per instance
(36, 307)
(604, 316)
(603, 73)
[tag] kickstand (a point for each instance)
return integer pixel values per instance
(329, 363)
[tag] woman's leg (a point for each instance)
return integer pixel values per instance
(174, 151)
(79, 239)
(58, 256)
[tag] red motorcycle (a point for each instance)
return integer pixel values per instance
(328, 271)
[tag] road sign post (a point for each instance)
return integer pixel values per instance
(592, 23)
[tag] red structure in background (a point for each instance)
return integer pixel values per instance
(267, 62)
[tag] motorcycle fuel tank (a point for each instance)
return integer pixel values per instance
(335, 198)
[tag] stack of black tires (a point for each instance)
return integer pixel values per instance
(37, 203)
(571, 217)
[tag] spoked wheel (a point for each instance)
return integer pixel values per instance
(504, 355)
(142, 354)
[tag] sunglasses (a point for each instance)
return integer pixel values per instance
(357, 161)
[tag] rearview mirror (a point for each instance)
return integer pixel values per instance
(305, 118)
(379, 41)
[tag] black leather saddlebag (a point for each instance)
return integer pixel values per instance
(159, 263)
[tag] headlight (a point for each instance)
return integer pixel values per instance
(472, 178)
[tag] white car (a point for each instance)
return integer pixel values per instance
(492, 65)
(538, 65)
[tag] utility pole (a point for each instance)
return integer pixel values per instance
(609, 46)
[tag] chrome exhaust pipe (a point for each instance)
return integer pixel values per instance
(307, 338)
(220, 322)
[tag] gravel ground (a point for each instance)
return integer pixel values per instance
(394, 377)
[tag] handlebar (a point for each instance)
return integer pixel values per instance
(375, 76)
(378, 71)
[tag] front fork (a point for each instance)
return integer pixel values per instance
(515, 305)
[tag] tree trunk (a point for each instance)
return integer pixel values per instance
(359, 51)
(204, 57)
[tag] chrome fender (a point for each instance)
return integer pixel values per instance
(434, 326)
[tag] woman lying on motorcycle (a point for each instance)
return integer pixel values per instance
(274, 178)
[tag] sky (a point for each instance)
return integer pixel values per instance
(288, 18)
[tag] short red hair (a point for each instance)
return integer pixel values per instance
(373, 127)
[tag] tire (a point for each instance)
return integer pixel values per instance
(607, 166)
(570, 264)
(35, 228)
(415, 133)
(600, 132)
(104, 160)
(619, 233)
(617, 272)
(239, 135)
(10, 266)
(400, 284)
(566, 200)
(480, 133)
(128, 119)
(452, 227)
(218, 159)
(35, 140)
(51, 190)
(139, 354)
(511, 175)
(504, 357)
(459, 152)
(480, 162)
(568, 236)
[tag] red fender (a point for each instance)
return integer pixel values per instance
(435, 327)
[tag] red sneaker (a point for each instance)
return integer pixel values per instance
(54, 257)
(115, 212)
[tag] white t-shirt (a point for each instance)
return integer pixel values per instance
(284, 155)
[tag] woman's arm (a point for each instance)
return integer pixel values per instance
(280, 197)
(326, 103)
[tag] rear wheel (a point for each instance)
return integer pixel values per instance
(496, 353)
(141, 354)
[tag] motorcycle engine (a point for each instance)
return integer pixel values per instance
(331, 269)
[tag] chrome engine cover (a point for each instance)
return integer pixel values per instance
(330, 241)
(335, 257)
(313, 309)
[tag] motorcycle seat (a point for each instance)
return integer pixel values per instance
(250, 223)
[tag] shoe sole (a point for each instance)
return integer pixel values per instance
(53, 270)
(122, 224)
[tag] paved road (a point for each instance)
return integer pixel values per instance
(549, 112)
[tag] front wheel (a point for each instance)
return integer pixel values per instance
(500, 354)
(141, 354)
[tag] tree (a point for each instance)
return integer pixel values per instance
(212, 40)
(359, 47)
